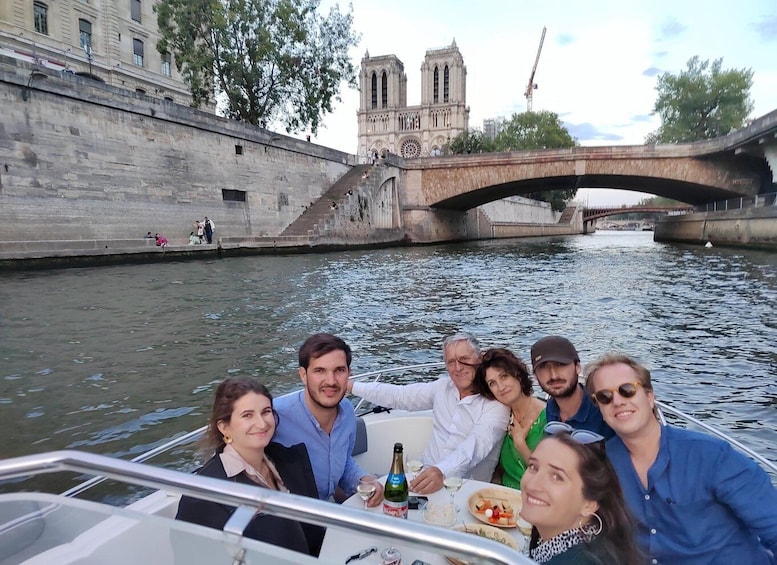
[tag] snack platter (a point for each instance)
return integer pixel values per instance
(496, 506)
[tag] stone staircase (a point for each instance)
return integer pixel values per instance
(567, 215)
(312, 221)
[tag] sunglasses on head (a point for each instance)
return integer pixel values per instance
(580, 436)
(626, 390)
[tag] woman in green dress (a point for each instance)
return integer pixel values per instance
(504, 377)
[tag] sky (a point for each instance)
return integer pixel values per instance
(598, 68)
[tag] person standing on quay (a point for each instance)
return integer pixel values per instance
(556, 365)
(209, 229)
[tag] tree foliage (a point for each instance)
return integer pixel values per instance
(701, 102)
(472, 141)
(526, 131)
(269, 59)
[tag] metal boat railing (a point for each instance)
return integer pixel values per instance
(376, 376)
(250, 500)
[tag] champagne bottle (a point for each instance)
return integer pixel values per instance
(396, 491)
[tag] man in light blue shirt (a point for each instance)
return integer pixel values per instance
(323, 419)
(697, 501)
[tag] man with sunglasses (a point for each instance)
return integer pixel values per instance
(556, 365)
(696, 499)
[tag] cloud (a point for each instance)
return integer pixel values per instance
(651, 72)
(589, 132)
(767, 28)
(565, 39)
(661, 54)
(671, 28)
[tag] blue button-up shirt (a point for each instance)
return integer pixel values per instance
(330, 454)
(705, 503)
(588, 417)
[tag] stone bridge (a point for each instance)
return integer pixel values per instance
(734, 165)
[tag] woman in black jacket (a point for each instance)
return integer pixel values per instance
(240, 431)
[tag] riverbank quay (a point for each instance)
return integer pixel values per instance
(747, 223)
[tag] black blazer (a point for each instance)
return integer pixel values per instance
(294, 467)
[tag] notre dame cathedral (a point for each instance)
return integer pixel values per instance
(388, 124)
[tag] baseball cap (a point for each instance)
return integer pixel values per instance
(553, 348)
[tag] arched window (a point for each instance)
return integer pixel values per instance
(445, 91)
(374, 89)
(384, 90)
(436, 85)
(40, 14)
(85, 33)
(137, 52)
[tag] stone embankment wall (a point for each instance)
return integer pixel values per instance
(747, 227)
(84, 161)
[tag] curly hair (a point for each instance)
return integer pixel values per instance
(507, 361)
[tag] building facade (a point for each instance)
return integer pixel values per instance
(388, 124)
(110, 40)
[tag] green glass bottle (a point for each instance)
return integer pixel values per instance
(396, 491)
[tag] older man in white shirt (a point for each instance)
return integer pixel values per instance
(467, 428)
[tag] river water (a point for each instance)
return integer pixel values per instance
(116, 360)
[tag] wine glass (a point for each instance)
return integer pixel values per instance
(415, 464)
(453, 484)
(367, 486)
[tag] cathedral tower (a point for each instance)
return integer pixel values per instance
(387, 123)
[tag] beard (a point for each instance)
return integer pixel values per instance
(564, 393)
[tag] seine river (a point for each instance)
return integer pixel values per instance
(116, 360)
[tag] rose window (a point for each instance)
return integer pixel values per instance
(410, 148)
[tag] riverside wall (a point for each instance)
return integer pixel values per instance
(81, 160)
(746, 227)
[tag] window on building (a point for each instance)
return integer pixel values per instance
(137, 52)
(85, 33)
(436, 85)
(374, 90)
(40, 13)
(233, 195)
(445, 89)
(238, 149)
(384, 90)
(169, 99)
(135, 10)
(140, 91)
(166, 66)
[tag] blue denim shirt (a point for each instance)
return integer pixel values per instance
(588, 417)
(705, 502)
(330, 454)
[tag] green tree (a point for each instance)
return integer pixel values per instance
(269, 60)
(701, 102)
(470, 142)
(537, 130)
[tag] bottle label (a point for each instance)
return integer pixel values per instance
(396, 509)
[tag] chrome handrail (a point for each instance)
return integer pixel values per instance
(281, 504)
(722, 435)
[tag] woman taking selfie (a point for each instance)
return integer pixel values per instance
(240, 432)
(572, 498)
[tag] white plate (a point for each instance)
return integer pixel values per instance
(503, 497)
(487, 532)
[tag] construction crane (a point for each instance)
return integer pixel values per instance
(531, 87)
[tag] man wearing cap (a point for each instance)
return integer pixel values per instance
(557, 367)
